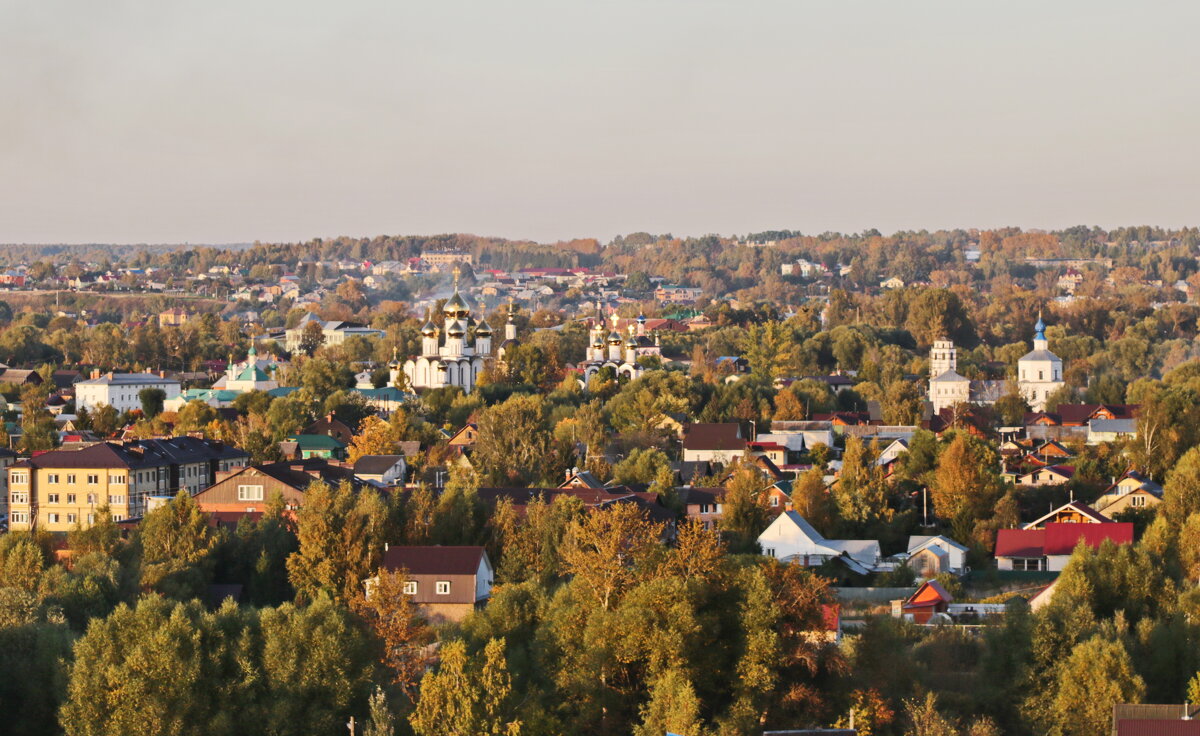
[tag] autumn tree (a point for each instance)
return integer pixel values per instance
(375, 437)
(812, 500)
(466, 696)
(746, 510)
(341, 540)
(604, 550)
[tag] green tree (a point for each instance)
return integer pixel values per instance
(152, 401)
(860, 490)
(673, 707)
(176, 545)
(37, 424)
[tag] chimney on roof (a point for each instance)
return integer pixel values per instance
(95, 373)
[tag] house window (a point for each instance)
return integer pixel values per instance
(70, 498)
(21, 477)
(250, 493)
(410, 587)
(20, 517)
(52, 478)
(769, 551)
(1039, 375)
(93, 480)
(443, 587)
(71, 479)
(52, 518)
(1137, 501)
(51, 498)
(774, 500)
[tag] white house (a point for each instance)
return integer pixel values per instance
(120, 390)
(930, 555)
(384, 470)
(792, 539)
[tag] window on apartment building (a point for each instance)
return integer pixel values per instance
(93, 480)
(71, 479)
(443, 587)
(70, 498)
(21, 497)
(52, 478)
(51, 498)
(410, 587)
(120, 479)
(91, 498)
(71, 518)
(115, 501)
(20, 517)
(91, 518)
(52, 518)
(19, 477)
(118, 517)
(250, 493)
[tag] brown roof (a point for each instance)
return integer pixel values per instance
(713, 437)
(1148, 727)
(1148, 716)
(375, 464)
(102, 455)
(434, 560)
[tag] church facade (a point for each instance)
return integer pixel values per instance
(608, 349)
(1039, 372)
(453, 354)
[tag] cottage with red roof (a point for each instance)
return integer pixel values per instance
(930, 599)
(1050, 548)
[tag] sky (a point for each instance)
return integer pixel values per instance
(234, 121)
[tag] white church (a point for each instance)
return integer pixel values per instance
(619, 353)
(459, 358)
(1039, 374)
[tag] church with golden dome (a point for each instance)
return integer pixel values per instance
(611, 350)
(454, 353)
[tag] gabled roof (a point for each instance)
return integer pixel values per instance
(726, 436)
(1078, 507)
(434, 560)
(917, 542)
(931, 593)
(126, 379)
(101, 455)
(1020, 542)
(316, 442)
(1062, 538)
(375, 464)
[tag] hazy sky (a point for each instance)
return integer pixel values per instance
(234, 121)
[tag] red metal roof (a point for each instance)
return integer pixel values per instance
(1022, 542)
(1062, 538)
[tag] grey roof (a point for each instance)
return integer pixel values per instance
(1125, 426)
(126, 379)
(918, 540)
(1041, 355)
(948, 377)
